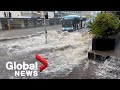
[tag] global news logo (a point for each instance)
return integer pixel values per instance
(26, 69)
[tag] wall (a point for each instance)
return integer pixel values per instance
(30, 13)
(26, 13)
(16, 23)
(14, 13)
(1, 13)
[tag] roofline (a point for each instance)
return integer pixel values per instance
(16, 18)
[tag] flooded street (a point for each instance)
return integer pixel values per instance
(73, 38)
(65, 52)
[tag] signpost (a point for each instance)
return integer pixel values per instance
(9, 20)
(8, 24)
(45, 30)
(45, 17)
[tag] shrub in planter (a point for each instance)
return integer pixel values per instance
(118, 30)
(89, 25)
(104, 28)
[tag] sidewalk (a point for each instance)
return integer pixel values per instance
(22, 33)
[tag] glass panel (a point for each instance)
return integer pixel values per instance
(67, 23)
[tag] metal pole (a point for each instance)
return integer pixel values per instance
(8, 24)
(8, 21)
(45, 31)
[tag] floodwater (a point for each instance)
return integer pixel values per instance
(63, 52)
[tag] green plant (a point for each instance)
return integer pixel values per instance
(88, 16)
(105, 25)
(89, 25)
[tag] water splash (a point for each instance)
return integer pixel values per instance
(109, 69)
(63, 51)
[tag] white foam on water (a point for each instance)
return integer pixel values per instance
(67, 50)
(109, 69)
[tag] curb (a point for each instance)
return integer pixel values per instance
(11, 38)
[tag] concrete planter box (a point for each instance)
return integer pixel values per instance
(97, 56)
(103, 44)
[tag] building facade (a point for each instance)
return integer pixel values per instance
(25, 19)
(19, 19)
(18, 14)
(81, 13)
